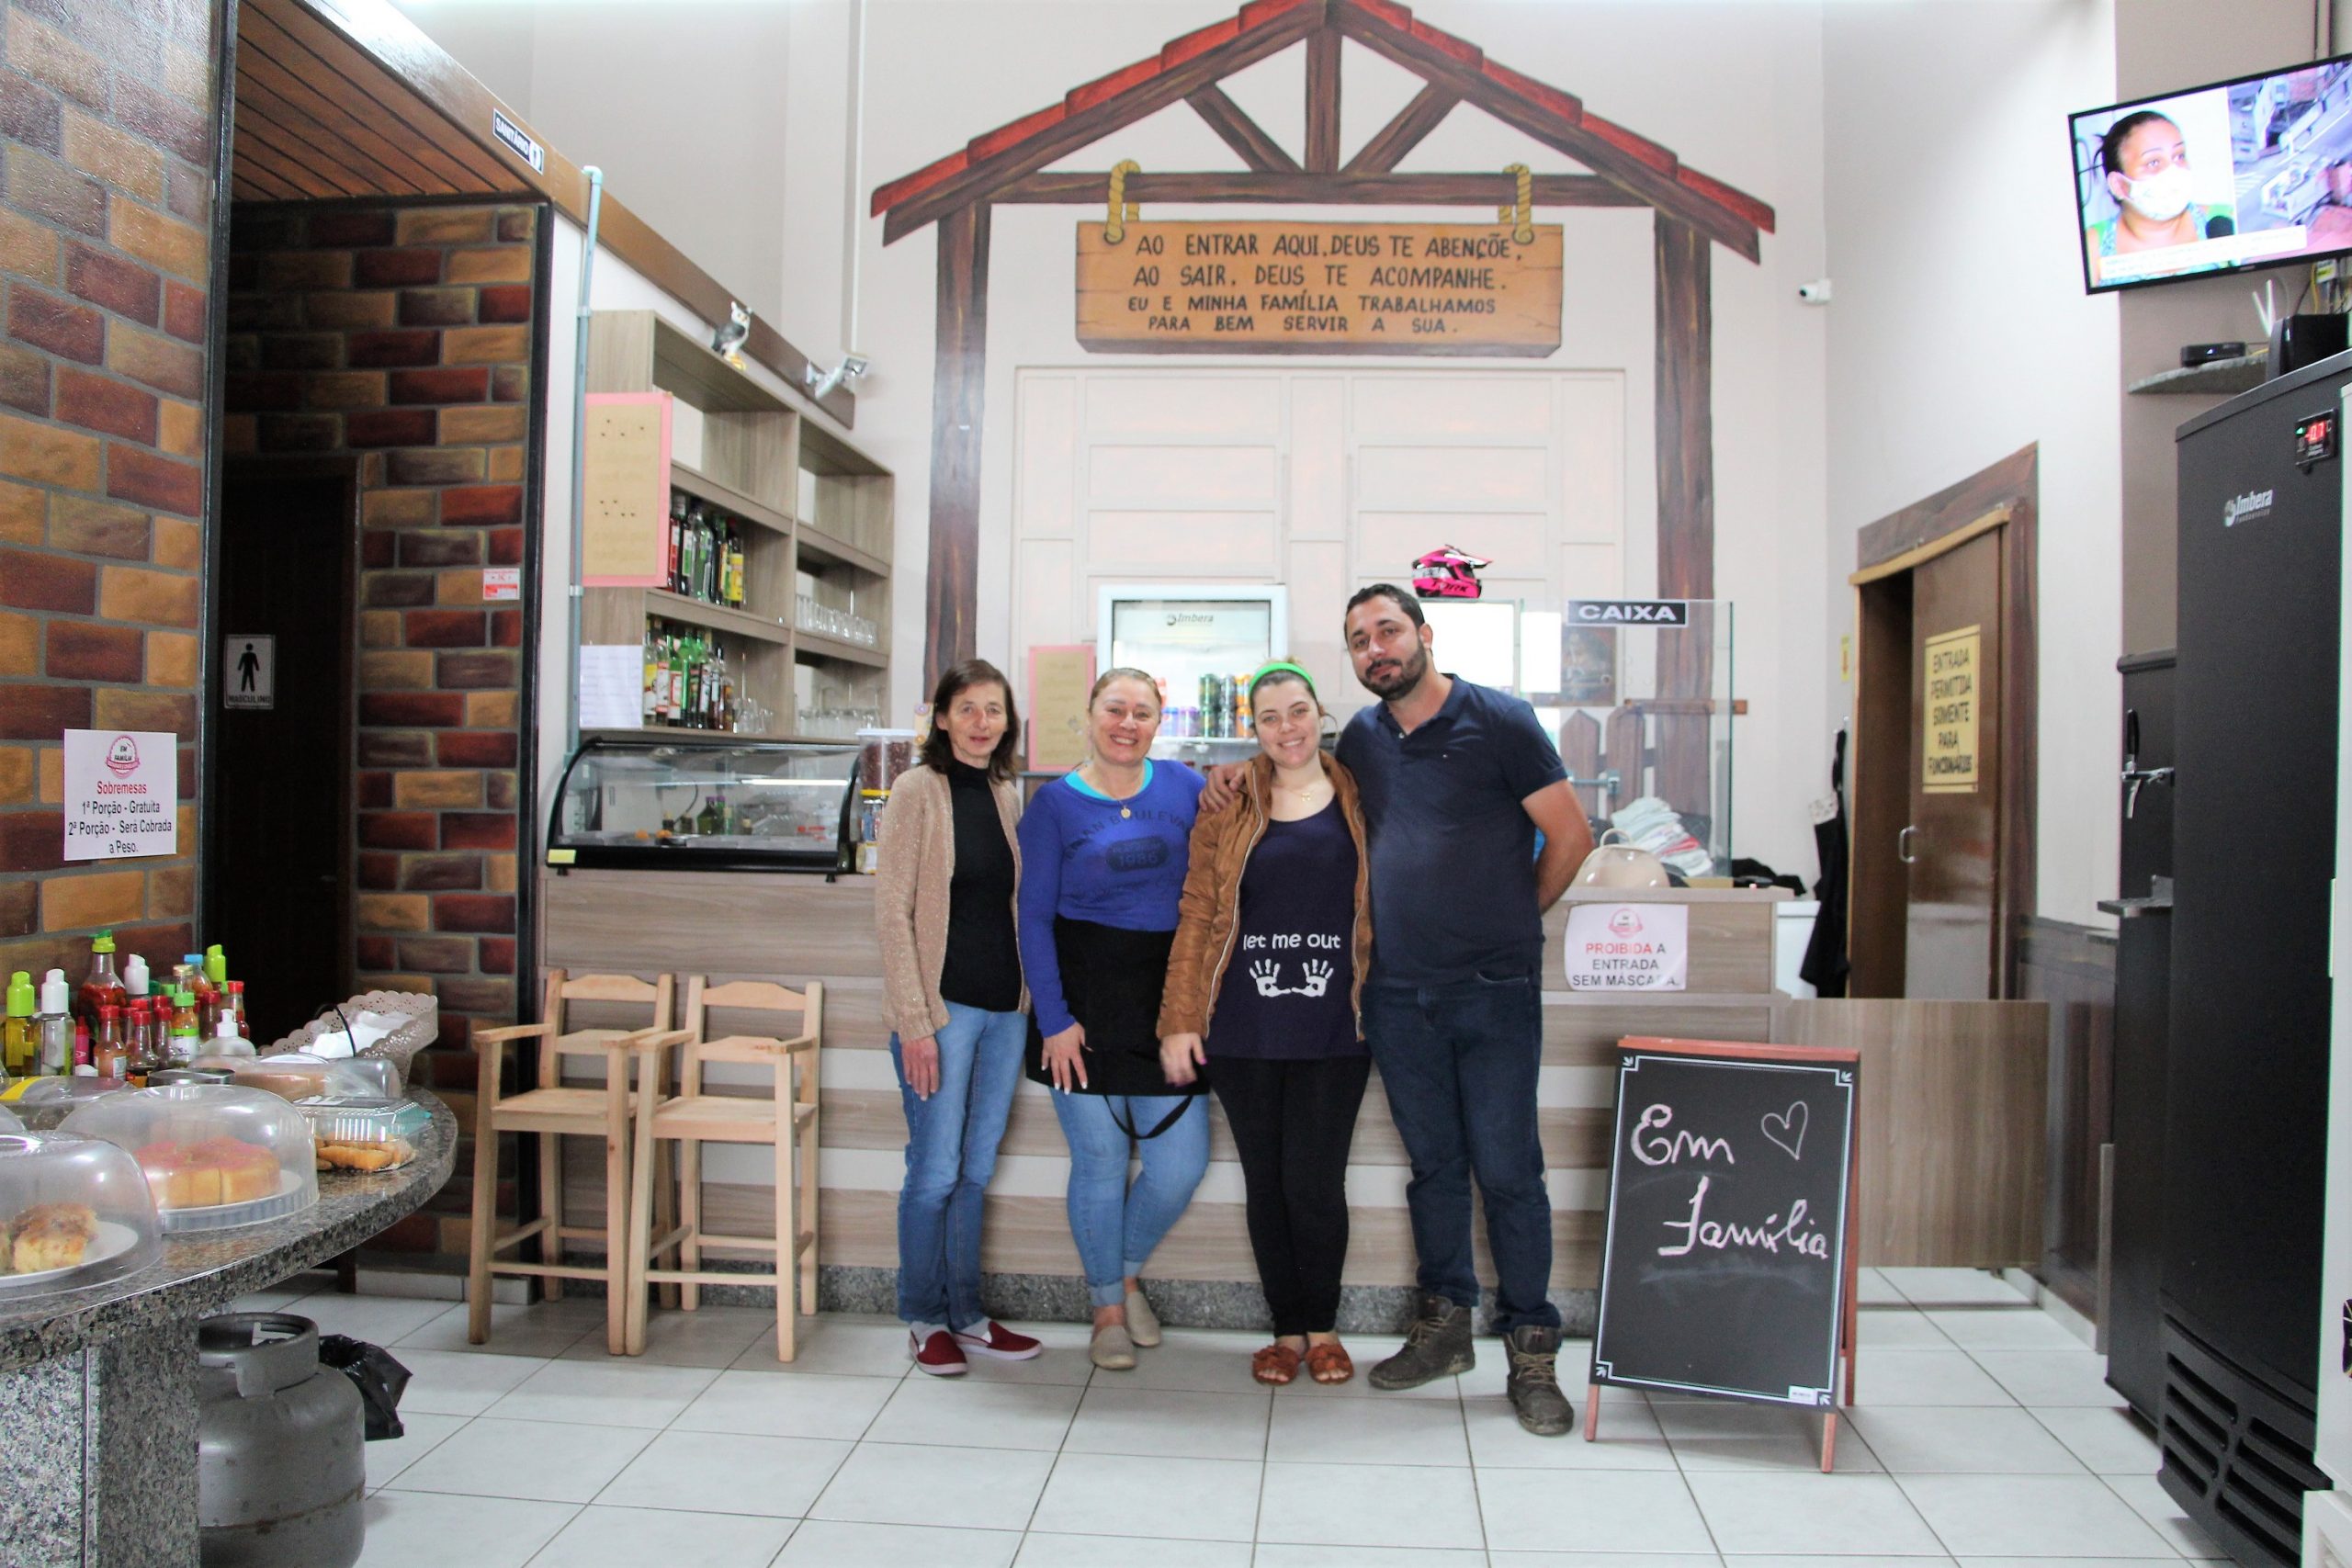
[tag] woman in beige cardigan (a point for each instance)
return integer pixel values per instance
(949, 872)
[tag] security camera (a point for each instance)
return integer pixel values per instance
(821, 383)
(1815, 293)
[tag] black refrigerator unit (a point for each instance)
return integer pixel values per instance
(2254, 836)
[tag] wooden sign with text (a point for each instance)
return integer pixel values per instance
(1276, 287)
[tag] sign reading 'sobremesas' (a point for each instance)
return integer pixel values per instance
(122, 794)
(1271, 287)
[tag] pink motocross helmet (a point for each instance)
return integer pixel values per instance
(1447, 574)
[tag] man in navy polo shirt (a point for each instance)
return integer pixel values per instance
(1456, 780)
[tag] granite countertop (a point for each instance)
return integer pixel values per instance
(201, 1272)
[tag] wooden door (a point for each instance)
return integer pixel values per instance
(279, 869)
(1952, 842)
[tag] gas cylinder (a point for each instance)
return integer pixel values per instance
(281, 1472)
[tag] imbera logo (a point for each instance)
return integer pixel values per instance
(2242, 507)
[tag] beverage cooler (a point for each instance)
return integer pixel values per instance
(1200, 641)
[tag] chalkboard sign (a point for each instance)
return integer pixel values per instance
(1728, 1261)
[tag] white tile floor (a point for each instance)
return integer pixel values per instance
(1985, 1439)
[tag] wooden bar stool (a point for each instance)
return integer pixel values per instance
(700, 1114)
(554, 1110)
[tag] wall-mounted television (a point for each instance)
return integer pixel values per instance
(2250, 172)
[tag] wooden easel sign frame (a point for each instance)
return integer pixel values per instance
(1729, 1254)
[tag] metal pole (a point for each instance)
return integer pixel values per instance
(580, 459)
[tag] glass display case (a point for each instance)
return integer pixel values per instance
(723, 804)
(74, 1211)
(215, 1155)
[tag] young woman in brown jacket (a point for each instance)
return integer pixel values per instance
(1271, 949)
(952, 993)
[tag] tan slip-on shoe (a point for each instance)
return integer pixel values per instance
(1143, 1323)
(1111, 1349)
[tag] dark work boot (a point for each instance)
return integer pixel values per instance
(1437, 1346)
(1534, 1381)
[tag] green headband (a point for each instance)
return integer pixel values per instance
(1280, 667)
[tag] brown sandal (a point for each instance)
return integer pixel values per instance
(1329, 1363)
(1276, 1364)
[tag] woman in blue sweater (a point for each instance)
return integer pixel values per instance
(1103, 852)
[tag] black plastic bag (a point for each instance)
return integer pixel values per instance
(380, 1378)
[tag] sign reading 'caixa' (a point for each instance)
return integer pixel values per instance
(1629, 612)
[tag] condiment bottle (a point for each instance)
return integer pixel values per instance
(234, 1006)
(56, 1026)
(81, 1063)
(201, 986)
(134, 975)
(17, 1046)
(103, 986)
(185, 1035)
(216, 973)
(111, 1050)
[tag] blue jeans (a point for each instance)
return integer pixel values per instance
(1459, 1063)
(951, 1139)
(1116, 1225)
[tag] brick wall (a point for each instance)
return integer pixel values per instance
(106, 143)
(403, 336)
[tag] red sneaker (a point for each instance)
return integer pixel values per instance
(999, 1344)
(939, 1355)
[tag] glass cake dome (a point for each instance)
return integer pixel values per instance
(74, 1211)
(215, 1155)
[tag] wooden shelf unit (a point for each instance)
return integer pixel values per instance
(813, 511)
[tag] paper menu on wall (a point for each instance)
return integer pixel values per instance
(612, 686)
(1059, 678)
(623, 538)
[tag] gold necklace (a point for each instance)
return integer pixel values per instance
(1105, 793)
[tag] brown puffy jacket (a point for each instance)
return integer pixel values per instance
(1210, 910)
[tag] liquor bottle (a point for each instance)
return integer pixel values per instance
(673, 706)
(677, 534)
(102, 986)
(697, 656)
(707, 823)
(54, 1049)
(18, 1046)
(647, 708)
(735, 567)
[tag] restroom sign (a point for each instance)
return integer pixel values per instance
(1954, 665)
(1628, 947)
(249, 672)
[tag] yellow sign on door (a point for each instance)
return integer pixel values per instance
(1955, 662)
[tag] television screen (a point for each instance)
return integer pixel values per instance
(2252, 173)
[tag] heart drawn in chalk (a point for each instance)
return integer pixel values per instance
(1787, 1128)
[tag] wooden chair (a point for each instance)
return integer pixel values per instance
(699, 1114)
(554, 1110)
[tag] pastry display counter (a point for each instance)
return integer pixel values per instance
(97, 1385)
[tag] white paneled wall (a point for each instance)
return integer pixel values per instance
(1323, 481)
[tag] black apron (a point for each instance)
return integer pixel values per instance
(1112, 980)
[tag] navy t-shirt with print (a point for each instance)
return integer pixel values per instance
(1452, 847)
(1289, 987)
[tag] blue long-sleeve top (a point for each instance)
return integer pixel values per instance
(1115, 862)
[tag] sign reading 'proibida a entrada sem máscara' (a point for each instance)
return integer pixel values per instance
(1272, 286)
